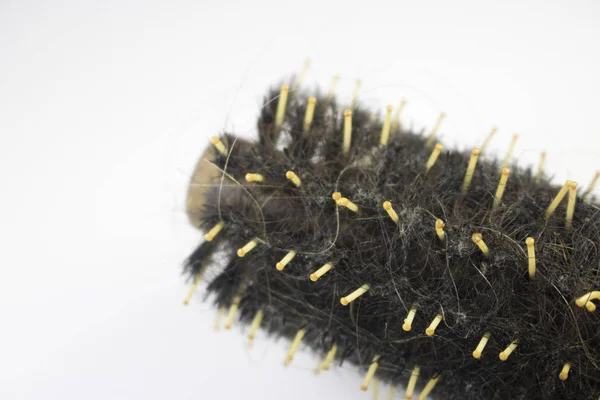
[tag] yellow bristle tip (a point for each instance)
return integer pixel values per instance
(429, 387)
(279, 116)
(310, 112)
(557, 199)
(439, 229)
(194, 286)
(219, 145)
(501, 187)
(564, 372)
(478, 240)
(407, 325)
(251, 177)
(387, 206)
(370, 373)
(347, 131)
(470, 170)
(412, 383)
(320, 272)
(214, 231)
(232, 312)
(285, 260)
(434, 324)
(247, 248)
(530, 242)
(433, 157)
(294, 346)
(385, 130)
(482, 343)
(255, 325)
(586, 300)
(354, 295)
(504, 354)
(348, 204)
(290, 175)
(329, 358)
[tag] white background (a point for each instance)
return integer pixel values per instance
(105, 106)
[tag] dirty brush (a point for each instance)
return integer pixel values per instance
(453, 274)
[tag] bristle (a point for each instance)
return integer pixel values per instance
(370, 373)
(247, 248)
(317, 368)
(488, 139)
(194, 286)
(588, 191)
(320, 272)
(412, 383)
(540, 170)
(501, 187)
(310, 112)
(344, 202)
(233, 309)
(214, 231)
(283, 95)
(556, 201)
(347, 130)
(564, 372)
(294, 178)
(391, 393)
(252, 177)
(439, 229)
(433, 133)
(219, 145)
(218, 318)
(407, 325)
(531, 256)
(285, 260)
(396, 125)
(429, 387)
(300, 77)
(482, 343)
(294, 346)
(385, 129)
(433, 325)
(331, 92)
(329, 358)
(255, 325)
(470, 170)
(510, 151)
(507, 352)
(376, 384)
(355, 93)
(354, 295)
(478, 240)
(387, 206)
(586, 300)
(336, 196)
(571, 205)
(433, 157)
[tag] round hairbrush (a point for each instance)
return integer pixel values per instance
(454, 274)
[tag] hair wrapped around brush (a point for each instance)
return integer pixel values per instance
(444, 271)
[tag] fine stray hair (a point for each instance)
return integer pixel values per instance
(369, 251)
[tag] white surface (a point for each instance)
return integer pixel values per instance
(105, 106)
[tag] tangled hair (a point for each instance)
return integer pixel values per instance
(408, 270)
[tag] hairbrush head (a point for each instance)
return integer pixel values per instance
(440, 270)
